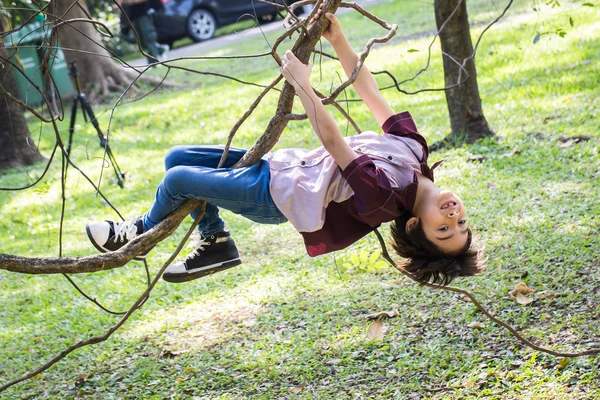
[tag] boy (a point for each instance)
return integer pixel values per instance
(333, 195)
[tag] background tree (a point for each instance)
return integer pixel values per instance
(81, 41)
(464, 103)
(16, 145)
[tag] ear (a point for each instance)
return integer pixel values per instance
(411, 224)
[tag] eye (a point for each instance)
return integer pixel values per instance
(462, 222)
(443, 229)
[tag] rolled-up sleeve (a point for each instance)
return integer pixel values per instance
(375, 199)
(402, 124)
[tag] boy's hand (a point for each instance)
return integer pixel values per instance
(334, 31)
(295, 72)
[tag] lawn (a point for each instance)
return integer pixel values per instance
(284, 325)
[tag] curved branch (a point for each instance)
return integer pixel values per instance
(488, 314)
(134, 307)
(99, 262)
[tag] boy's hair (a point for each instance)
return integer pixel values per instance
(426, 261)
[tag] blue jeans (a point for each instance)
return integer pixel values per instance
(191, 173)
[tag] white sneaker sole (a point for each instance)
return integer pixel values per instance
(200, 272)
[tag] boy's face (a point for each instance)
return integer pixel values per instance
(444, 221)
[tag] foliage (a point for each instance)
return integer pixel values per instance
(283, 323)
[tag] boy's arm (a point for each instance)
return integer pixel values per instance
(365, 85)
(325, 127)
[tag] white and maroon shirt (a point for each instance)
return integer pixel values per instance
(332, 208)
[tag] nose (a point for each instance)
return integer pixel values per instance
(454, 213)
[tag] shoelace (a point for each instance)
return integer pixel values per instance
(125, 230)
(198, 242)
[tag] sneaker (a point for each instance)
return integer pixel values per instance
(211, 254)
(109, 236)
(163, 52)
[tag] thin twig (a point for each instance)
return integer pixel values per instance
(477, 304)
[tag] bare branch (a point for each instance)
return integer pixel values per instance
(488, 314)
(99, 262)
(135, 306)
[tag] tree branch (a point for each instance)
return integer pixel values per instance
(488, 314)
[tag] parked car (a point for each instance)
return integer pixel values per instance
(199, 19)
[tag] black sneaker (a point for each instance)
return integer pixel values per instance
(109, 236)
(211, 254)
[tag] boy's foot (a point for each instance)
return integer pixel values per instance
(163, 52)
(211, 254)
(109, 236)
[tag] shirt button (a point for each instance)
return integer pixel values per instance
(303, 163)
(390, 157)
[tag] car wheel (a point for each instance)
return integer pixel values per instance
(201, 25)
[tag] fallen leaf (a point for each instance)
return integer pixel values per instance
(563, 362)
(171, 353)
(334, 361)
(521, 288)
(522, 299)
(189, 370)
(476, 324)
(510, 153)
(296, 389)
(492, 186)
(179, 380)
(82, 378)
(375, 331)
(383, 314)
(566, 141)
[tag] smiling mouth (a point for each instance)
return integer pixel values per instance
(448, 204)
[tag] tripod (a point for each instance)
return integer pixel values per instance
(80, 99)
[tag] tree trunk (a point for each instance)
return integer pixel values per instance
(464, 104)
(16, 146)
(98, 73)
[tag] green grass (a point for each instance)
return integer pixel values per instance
(283, 323)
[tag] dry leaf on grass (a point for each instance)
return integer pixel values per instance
(334, 361)
(384, 314)
(520, 292)
(522, 299)
(521, 288)
(296, 389)
(476, 324)
(563, 362)
(375, 331)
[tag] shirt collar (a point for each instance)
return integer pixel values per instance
(427, 171)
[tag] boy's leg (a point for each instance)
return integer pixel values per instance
(187, 170)
(109, 236)
(244, 191)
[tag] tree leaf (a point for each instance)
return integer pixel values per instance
(384, 314)
(475, 324)
(571, 22)
(412, 50)
(521, 288)
(296, 389)
(536, 38)
(522, 299)
(588, 5)
(563, 362)
(375, 331)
